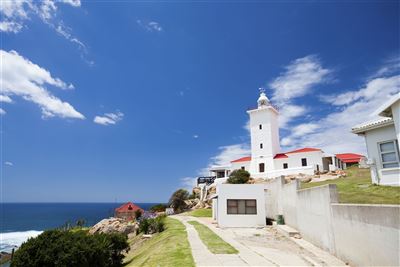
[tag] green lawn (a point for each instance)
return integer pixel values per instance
(168, 248)
(200, 213)
(214, 243)
(356, 187)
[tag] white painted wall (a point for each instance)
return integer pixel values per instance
(378, 174)
(240, 191)
(239, 165)
(396, 119)
(294, 160)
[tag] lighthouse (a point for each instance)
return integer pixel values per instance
(264, 132)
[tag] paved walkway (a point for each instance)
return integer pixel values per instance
(257, 247)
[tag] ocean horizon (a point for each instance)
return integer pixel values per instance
(20, 221)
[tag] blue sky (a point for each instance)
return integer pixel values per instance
(106, 101)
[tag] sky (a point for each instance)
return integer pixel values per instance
(105, 101)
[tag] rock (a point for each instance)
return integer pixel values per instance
(147, 236)
(114, 225)
(297, 236)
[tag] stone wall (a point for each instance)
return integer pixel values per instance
(358, 234)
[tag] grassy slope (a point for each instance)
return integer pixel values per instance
(169, 248)
(214, 243)
(200, 213)
(357, 188)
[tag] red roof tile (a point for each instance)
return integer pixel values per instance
(241, 159)
(280, 156)
(128, 207)
(349, 157)
(302, 150)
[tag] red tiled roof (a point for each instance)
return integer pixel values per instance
(280, 156)
(241, 159)
(349, 157)
(128, 207)
(306, 149)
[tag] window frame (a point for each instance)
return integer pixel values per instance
(246, 206)
(285, 165)
(263, 167)
(305, 160)
(395, 151)
(261, 146)
(260, 126)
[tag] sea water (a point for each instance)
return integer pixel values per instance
(20, 221)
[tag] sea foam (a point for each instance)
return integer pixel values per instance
(8, 241)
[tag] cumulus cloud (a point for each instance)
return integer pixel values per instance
(108, 118)
(5, 99)
(23, 78)
(298, 79)
(151, 26)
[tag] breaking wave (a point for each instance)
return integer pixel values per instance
(11, 240)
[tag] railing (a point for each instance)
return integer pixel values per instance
(206, 180)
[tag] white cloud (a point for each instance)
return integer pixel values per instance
(23, 78)
(332, 133)
(2, 111)
(298, 80)
(188, 183)
(10, 26)
(8, 163)
(5, 99)
(75, 3)
(109, 118)
(195, 136)
(151, 26)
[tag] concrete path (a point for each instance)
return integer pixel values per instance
(257, 247)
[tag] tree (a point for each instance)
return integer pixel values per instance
(239, 177)
(177, 200)
(138, 214)
(158, 208)
(60, 248)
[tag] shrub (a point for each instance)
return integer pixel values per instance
(71, 248)
(138, 214)
(152, 225)
(177, 200)
(238, 177)
(158, 208)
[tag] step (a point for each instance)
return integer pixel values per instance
(287, 230)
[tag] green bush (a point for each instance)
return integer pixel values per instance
(177, 200)
(138, 214)
(158, 208)
(239, 177)
(152, 225)
(58, 248)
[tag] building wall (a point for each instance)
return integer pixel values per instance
(362, 235)
(378, 174)
(396, 118)
(294, 160)
(240, 191)
(238, 165)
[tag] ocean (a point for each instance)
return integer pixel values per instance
(19, 221)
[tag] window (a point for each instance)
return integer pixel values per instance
(285, 165)
(261, 146)
(389, 154)
(242, 206)
(260, 126)
(220, 174)
(243, 168)
(261, 167)
(304, 162)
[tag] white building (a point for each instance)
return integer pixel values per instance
(382, 140)
(267, 160)
(240, 205)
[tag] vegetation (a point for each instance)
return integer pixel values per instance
(71, 248)
(356, 187)
(138, 214)
(177, 200)
(158, 208)
(200, 213)
(214, 243)
(152, 225)
(169, 248)
(239, 177)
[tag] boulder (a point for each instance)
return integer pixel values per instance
(114, 225)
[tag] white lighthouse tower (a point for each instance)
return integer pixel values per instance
(264, 132)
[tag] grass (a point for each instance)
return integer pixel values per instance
(214, 243)
(168, 248)
(200, 213)
(356, 187)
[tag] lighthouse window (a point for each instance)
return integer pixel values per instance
(304, 162)
(260, 126)
(261, 167)
(285, 165)
(261, 146)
